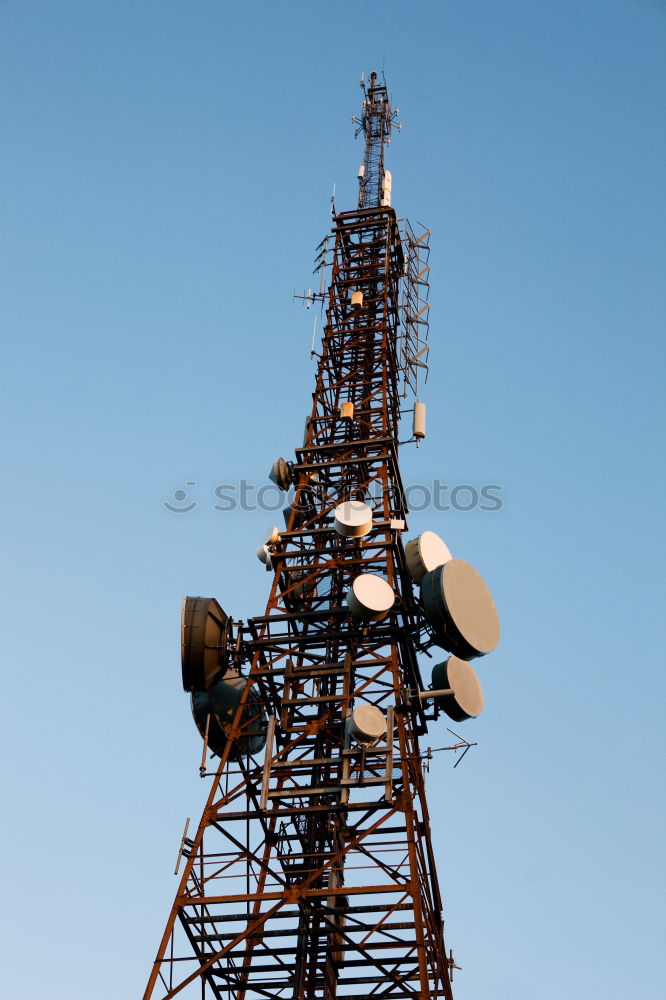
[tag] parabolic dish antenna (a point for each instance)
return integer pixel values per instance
(370, 597)
(264, 556)
(366, 724)
(466, 700)
(215, 710)
(425, 553)
(203, 641)
(353, 519)
(280, 474)
(460, 609)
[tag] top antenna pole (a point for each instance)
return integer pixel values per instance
(376, 122)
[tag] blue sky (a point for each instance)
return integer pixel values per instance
(165, 176)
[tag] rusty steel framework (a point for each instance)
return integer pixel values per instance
(311, 874)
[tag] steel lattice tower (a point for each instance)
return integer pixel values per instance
(311, 873)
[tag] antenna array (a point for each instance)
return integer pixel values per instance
(311, 875)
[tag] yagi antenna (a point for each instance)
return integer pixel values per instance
(309, 297)
(462, 742)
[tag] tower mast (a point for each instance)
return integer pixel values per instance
(376, 122)
(311, 875)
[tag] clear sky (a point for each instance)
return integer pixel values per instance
(165, 175)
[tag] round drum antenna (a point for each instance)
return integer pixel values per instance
(366, 725)
(460, 609)
(370, 598)
(456, 689)
(424, 554)
(353, 519)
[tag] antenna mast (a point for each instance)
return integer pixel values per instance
(376, 122)
(311, 875)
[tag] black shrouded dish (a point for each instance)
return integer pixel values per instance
(460, 609)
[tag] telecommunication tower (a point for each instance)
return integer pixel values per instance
(311, 874)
